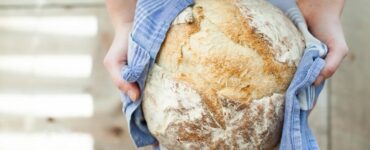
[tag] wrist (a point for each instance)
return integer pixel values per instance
(328, 29)
(123, 28)
(315, 11)
(322, 18)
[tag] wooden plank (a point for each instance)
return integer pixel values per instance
(25, 28)
(107, 126)
(108, 132)
(350, 122)
(49, 3)
(18, 40)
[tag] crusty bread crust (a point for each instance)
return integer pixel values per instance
(219, 81)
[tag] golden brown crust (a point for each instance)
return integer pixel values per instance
(234, 26)
(275, 75)
(222, 57)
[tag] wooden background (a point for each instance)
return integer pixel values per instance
(341, 119)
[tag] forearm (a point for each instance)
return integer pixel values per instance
(121, 13)
(312, 9)
(323, 15)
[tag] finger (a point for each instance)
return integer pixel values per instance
(332, 62)
(131, 89)
(319, 80)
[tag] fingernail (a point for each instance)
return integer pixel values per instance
(132, 95)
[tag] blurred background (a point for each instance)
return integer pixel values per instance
(56, 95)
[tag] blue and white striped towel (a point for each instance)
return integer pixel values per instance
(152, 21)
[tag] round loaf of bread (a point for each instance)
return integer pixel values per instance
(221, 75)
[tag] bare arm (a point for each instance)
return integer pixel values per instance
(323, 19)
(121, 13)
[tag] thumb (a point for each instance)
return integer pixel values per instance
(131, 89)
(333, 60)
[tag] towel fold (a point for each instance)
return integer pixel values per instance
(299, 100)
(152, 20)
